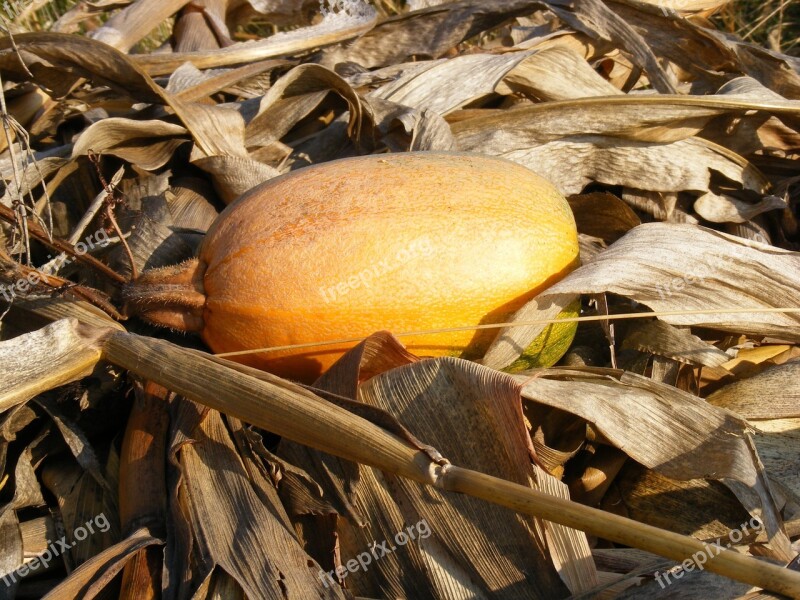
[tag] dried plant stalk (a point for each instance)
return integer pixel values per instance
(293, 412)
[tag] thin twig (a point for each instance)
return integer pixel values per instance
(38, 233)
(110, 200)
(641, 315)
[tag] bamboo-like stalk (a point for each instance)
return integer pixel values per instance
(273, 403)
(521, 499)
(295, 413)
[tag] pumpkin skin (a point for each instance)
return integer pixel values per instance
(398, 242)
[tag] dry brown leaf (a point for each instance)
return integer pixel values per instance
(146, 144)
(598, 19)
(12, 555)
(771, 394)
(672, 267)
(706, 53)
(236, 529)
(85, 58)
(429, 32)
(455, 558)
(658, 337)
(778, 441)
(669, 431)
(352, 21)
(456, 406)
(92, 577)
(293, 96)
(721, 208)
(41, 360)
(128, 26)
(603, 216)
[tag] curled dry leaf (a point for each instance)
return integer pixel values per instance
(719, 208)
(146, 144)
(669, 431)
(448, 395)
(670, 267)
(603, 216)
(658, 337)
(429, 32)
(336, 27)
(91, 578)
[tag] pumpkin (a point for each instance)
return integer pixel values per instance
(400, 242)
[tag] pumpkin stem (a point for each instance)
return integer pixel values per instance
(170, 296)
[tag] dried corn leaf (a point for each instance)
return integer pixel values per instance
(128, 26)
(701, 584)
(429, 32)
(93, 576)
(191, 204)
(69, 53)
(296, 94)
(226, 515)
(569, 548)
(77, 442)
(234, 175)
(12, 555)
(658, 337)
(81, 501)
(603, 216)
(191, 85)
(353, 20)
(672, 267)
(445, 85)
(778, 443)
(556, 73)
(39, 361)
(771, 394)
(146, 144)
(27, 491)
(705, 53)
(669, 431)
(456, 406)
(703, 509)
(720, 208)
(599, 19)
(453, 560)
(405, 129)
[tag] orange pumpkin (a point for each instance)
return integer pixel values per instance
(339, 250)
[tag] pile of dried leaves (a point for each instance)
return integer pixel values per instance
(135, 467)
